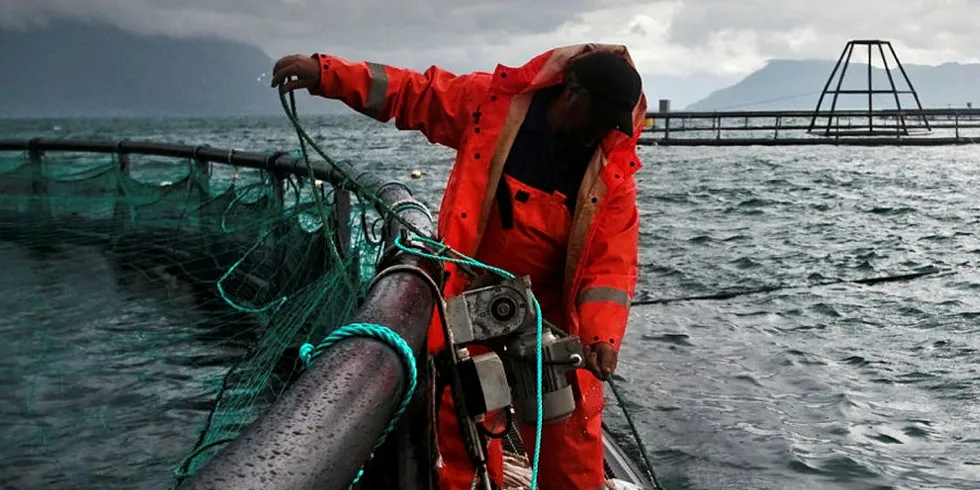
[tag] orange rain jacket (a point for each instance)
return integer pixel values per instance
(479, 114)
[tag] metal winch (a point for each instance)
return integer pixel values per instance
(503, 318)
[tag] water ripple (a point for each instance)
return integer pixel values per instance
(834, 387)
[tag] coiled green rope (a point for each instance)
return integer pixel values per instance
(307, 353)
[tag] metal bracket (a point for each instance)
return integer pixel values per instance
(501, 316)
(492, 313)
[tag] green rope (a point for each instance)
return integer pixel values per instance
(308, 353)
(464, 260)
(275, 305)
(636, 436)
(351, 183)
(324, 218)
(239, 195)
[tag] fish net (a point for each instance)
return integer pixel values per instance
(153, 307)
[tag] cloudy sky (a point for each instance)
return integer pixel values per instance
(727, 38)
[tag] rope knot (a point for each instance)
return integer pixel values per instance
(307, 353)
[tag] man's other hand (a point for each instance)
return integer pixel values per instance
(304, 68)
(600, 358)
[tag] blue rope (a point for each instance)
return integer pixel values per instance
(307, 353)
(464, 260)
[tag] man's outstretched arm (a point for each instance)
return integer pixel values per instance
(437, 103)
(608, 286)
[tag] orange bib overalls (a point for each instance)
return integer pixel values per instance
(533, 242)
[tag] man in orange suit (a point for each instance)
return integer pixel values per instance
(542, 186)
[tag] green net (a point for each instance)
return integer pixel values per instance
(152, 308)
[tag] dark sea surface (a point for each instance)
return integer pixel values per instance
(816, 383)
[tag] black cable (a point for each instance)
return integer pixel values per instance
(731, 294)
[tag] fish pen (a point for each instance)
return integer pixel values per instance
(872, 125)
(188, 317)
(257, 265)
(928, 127)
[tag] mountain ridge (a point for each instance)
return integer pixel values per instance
(73, 69)
(786, 84)
(70, 69)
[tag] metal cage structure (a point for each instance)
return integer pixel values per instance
(901, 127)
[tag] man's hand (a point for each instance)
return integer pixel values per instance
(304, 68)
(600, 358)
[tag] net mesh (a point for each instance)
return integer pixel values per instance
(152, 308)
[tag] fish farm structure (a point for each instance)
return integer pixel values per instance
(295, 259)
(826, 124)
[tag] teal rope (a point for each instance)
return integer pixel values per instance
(349, 182)
(353, 185)
(239, 194)
(460, 259)
(307, 353)
(275, 305)
(464, 260)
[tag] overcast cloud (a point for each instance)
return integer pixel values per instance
(673, 37)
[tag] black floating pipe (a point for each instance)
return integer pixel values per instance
(272, 161)
(201, 153)
(279, 162)
(323, 429)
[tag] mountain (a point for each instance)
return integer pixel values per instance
(681, 90)
(73, 69)
(796, 84)
(77, 69)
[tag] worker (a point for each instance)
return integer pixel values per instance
(542, 185)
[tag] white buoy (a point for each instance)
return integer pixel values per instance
(416, 174)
